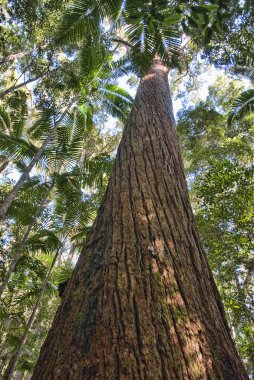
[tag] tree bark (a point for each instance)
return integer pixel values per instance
(18, 375)
(3, 163)
(142, 303)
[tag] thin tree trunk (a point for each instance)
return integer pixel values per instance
(72, 252)
(13, 57)
(23, 243)
(142, 303)
(17, 86)
(13, 193)
(3, 163)
(11, 367)
(248, 279)
(18, 375)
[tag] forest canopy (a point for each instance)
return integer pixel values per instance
(69, 72)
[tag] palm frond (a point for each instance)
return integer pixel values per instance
(85, 17)
(64, 273)
(117, 101)
(5, 121)
(92, 57)
(44, 241)
(150, 32)
(67, 147)
(120, 67)
(242, 106)
(26, 204)
(42, 125)
(16, 148)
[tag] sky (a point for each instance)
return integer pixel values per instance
(207, 78)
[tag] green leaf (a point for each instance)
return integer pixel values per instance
(192, 22)
(208, 35)
(242, 106)
(172, 19)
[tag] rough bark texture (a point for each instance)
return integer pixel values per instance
(142, 303)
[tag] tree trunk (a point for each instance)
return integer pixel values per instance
(13, 193)
(17, 86)
(18, 375)
(14, 56)
(11, 367)
(24, 241)
(3, 163)
(142, 303)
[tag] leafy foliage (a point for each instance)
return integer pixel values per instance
(230, 39)
(219, 164)
(73, 54)
(242, 106)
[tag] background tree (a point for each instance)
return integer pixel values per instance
(144, 35)
(219, 165)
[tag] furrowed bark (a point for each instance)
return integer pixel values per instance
(142, 303)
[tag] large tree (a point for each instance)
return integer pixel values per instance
(142, 302)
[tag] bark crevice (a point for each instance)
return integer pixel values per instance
(147, 304)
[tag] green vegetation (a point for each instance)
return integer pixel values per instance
(60, 69)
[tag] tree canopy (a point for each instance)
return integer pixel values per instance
(68, 74)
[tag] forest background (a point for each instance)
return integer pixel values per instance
(62, 92)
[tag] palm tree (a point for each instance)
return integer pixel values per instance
(88, 87)
(8, 373)
(13, 128)
(25, 175)
(141, 302)
(65, 152)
